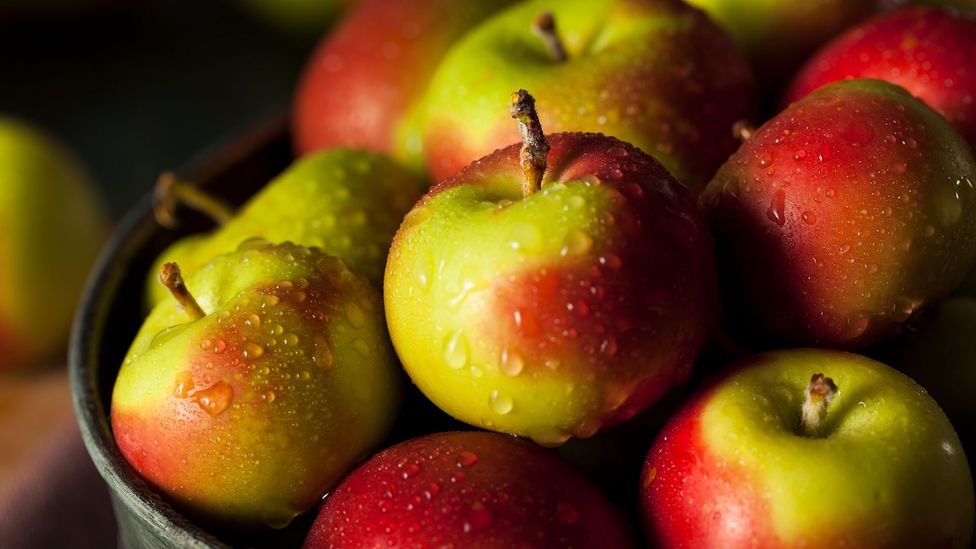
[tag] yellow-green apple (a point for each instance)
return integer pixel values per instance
(349, 203)
(245, 401)
(469, 489)
(362, 82)
(924, 50)
(654, 73)
(777, 35)
(52, 223)
(549, 301)
(844, 214)
(766, 456)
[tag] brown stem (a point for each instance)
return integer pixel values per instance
(172, 191)
(544, 27)
(820, 391)
(743, 130)
(170, 276)
(535, 148)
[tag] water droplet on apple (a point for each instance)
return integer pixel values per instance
(361, 347)
(577, 243)
(478, 518)
(289, 339)
(511, 362)
(500, 403)
(184, 385)
(777, 208)
(269, 396)
(355, 315)
(466, 459)
(323, 356)
(577, 201)
(216, 398)
(809, 217)
(456, 351)
(252, 350)
(219, 346)
(416, 216)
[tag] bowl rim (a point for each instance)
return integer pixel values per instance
(87, 332)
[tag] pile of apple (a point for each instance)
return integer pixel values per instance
(640, 235)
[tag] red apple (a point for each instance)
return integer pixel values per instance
(364, 77)
(927, 51)
(858, 456)
(843, 215)
(466, 490)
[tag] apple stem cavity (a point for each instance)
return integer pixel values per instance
(535, 147)
(171, 191)
(171, 277)
(820, 391)
(743, 130)
(544, 27)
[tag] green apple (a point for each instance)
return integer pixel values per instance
(52, 223)
(777, 35)
(766, 456)
(347, 202)
(551, 310)
(245, 403)
(654, 73)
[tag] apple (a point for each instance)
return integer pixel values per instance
(466, 490)
(777, 35)
(843, 215)
(245, 404)
(549, 294)
(925, 50)
(362, 81)
(52, 224)
(654, 73)
(860, 456)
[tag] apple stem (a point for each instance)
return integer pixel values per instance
(820, 391)
(535, 148)
(170, 276)
(171, 191)
(743, 130)
(544, 27)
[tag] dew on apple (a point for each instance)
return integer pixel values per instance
(456, 350)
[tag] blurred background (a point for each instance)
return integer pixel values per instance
(132, 87)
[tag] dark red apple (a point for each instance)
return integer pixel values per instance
(469, 489)
(844, 215)
(927, 51)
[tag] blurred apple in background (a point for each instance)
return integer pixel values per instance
(302, 17)
(361, 83)
(52, 224)
(776, 35)
(927, 51)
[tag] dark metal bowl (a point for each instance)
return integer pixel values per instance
(111, 312)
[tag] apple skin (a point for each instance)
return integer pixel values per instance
(52, 224)
(843, 215)
(654, 73)
(466, 489)
(777, 35)
(246, 417)
(363, 79)
(925, 50)
(730, 470)
(347, 202)
(560, 313)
